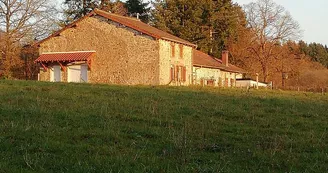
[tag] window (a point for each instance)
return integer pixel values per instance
(178, 73)
(172, 73)
(210, 82)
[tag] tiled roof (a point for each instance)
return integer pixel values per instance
(233, 68)
(205, 60)
(65, 56)
(202, 59)
(131, 23)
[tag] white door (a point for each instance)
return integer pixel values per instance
(55, 73)
(84, 73)
(78, 73)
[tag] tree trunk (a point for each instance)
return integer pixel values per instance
(265, 72)
(84, 4)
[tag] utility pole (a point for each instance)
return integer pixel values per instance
(211, 38)
(257, 81)
(284, 77)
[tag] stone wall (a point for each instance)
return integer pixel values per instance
(164, 62)
(64, 75)
(188, 59)
(219, 77)
(226, 79)
(207, 74)
(169, 59)
(123, 55)
(44, 75)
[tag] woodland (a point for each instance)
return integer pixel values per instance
(262, 37)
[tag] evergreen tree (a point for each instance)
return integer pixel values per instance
(117, 7)
(76, 9)
(207, 23)
(303, 47)
(317, 52)
(138, 8)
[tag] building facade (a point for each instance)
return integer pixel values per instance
(108, 48)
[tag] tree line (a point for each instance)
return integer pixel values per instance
(262, 36)
(75, 9)
(316, 51)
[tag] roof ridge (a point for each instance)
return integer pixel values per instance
(128, 22)
(117, 15)
(139, 28)
(47, 53)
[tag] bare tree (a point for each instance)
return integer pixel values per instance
(22, 20)
(272, 25)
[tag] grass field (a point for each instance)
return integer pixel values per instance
(54, 127)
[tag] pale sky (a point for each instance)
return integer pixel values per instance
(310, 14)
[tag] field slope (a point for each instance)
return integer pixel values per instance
(54, 127)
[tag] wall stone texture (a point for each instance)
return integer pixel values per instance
(44, 75)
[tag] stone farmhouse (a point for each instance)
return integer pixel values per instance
(108, 48)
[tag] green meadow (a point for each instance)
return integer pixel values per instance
(57, 127)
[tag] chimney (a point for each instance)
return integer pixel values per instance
(225, 57)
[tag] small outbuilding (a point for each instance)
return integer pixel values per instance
(250, 83)
(211, 71)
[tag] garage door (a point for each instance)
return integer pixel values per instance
(78, 73)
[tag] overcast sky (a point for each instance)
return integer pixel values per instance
(311, 15)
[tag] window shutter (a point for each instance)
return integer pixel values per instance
(176, 73)
(184, 74)
(172, 50)
(232, 82)
(220, 82)
(181, 50)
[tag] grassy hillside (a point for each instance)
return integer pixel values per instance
(53, 127)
